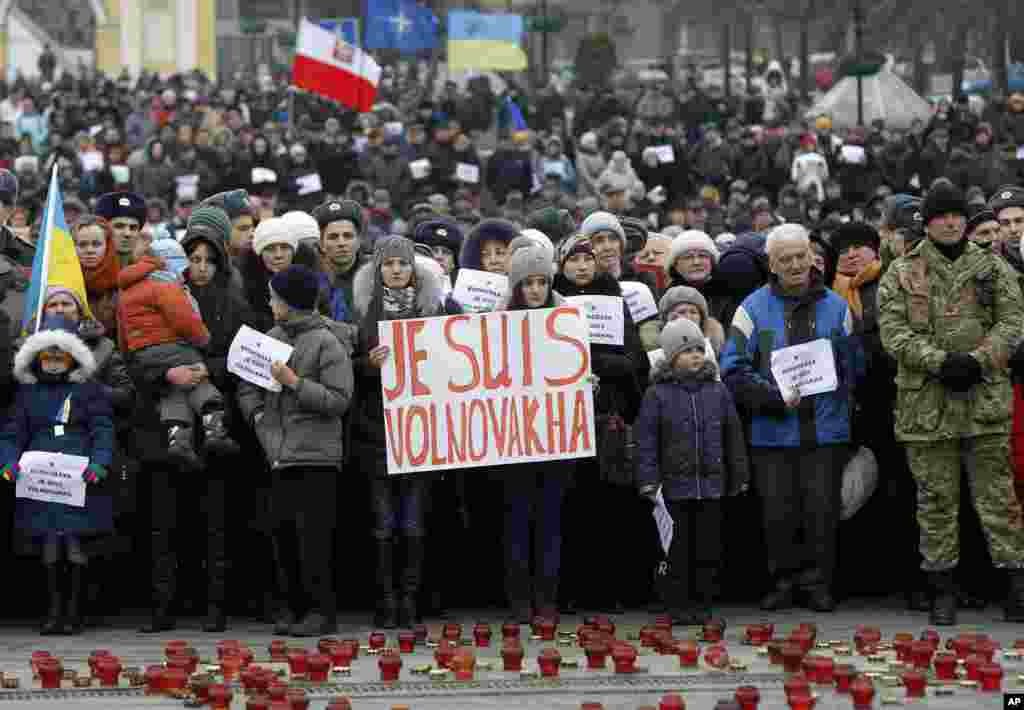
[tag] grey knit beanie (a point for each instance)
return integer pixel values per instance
(210, 222)
(531, 260)
(679, 335)
(682, 294)
(603, 222)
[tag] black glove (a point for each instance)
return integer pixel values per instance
(1017, 364)
(959, 372)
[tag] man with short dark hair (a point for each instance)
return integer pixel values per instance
(126, 212)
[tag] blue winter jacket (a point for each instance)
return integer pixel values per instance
(768, 320)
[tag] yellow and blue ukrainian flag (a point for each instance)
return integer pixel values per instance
(480, 41)
(55, 262)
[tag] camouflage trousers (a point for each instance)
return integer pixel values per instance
(936, 466)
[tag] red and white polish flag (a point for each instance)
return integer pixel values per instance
(328, 66)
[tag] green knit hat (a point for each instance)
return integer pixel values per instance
(210, 222)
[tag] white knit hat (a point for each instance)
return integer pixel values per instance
(274, 231)
(303, 224)
(603, 222)
(534, 238)
(691, 240)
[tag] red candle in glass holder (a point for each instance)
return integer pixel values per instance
(991, 676)
(172, 647)
(647, 639)
(341, 655)
(108, 668)
(663, 621)
(591, 706)
(324, 645)
(597, 654)
(758, 634)
(545, 628)
(803, 637)
(443, 653)
(174, 679)
(220, 696)
(512, 656)
(664, 642)
(389, 663)
(903, 649)
(509, 630)
(961, 645)
(716, 656)
(915, 683)
(932, 637)
(420, 631)
(224, 646)
(464, 664)
(318, 666)
(824, 668)
(378, 640)
(452, 632)
(253, 680)
(671, 701)
(277, 690)
(231, 666)
(50, 672)
(550, 660)
(945, 666)
(792, 656)
(843, 675)
(921, 653)
(748, 697)
(862, 690)
(354, 643)
(972, 663)
(606, 626)
(688, 652)
(809, 666)
(624, 658)
(200, 686)
(278, 651)
(801, 701)
(257, 702)
(482, 635)
(1019, 644)
(95, 656)
(796, 684)
(297, 699)
(985, 647)
(154, 679)
(713, 631)
(406, 642)
(297, 661)
(339, 704)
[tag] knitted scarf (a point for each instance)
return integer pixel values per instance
(398, 303)
(849, 286)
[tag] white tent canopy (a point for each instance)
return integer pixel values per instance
(885, 97)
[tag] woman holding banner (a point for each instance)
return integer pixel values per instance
(621, 372)
(396, 285)
(532, 488)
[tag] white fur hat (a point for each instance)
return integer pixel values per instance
(275, 231)
(303, 224)
(691, 240)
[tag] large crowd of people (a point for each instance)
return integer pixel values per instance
(197, 209)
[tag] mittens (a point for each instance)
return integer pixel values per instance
(10, 472)
(959, 372)
(94, 473)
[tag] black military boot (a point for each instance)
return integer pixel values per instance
(412, 574)
(216, 621)
(165, 569)
(386, 616)
(943, 598)
(704, 581)
(816, 592)
(781, 597)
(1014, 610)
(73, 618)
(52, 624)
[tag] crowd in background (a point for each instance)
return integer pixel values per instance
(198, 208)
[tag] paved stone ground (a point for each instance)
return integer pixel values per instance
(494, 689)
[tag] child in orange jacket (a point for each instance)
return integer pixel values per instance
(160, 329)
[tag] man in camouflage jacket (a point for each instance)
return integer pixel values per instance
(948, 311)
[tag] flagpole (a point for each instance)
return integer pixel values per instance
(47, 240)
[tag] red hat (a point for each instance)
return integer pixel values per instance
(808, 140)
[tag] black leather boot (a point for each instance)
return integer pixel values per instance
(412, 574)
(1014, 609)
(216, 621)
(52, 625)
(386, 616)
(704, 582)
(779, 598)
(73, 619)
(216, 439)
(165, 569)
(181, 446)
(943, 598)
(816, 591)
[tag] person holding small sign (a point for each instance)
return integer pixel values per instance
(60, 409)
(394, 286)
(300, 431)
(621, 374)
(799, 444)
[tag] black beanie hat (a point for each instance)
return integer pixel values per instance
(297, 286)
(556, 223)
(333, 210)
(943, 198)
(855, 234)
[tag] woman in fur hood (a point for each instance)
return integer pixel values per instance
(60, 409)
(395, 285)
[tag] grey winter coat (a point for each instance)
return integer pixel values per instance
(302, 427)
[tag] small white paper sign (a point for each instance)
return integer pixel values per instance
(556, 167)
(251, 354)
(262, 175)
(467, 172)
(188, 187)
(604, 314)
(666, 526)
(96, 130)
(310, 184)
(121, 173)
(393, 128)
(420, 168)
(853, 154)
(93, 160)
(808, 367)
(640, 300)
(665, 153)
(655, 356)
(915, 181)
(479, 291)
(51, 477)
(1020, 152)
